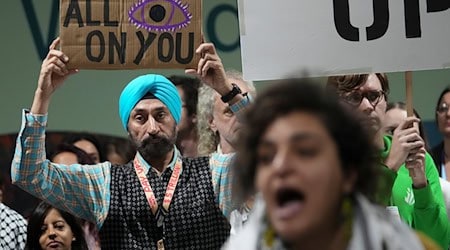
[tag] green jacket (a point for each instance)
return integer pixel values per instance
(423, 209)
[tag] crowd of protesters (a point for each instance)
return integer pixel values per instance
(295, 167)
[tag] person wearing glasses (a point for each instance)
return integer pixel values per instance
(441, 152)
(411, 186)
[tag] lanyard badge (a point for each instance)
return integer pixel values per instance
(160, 212)
(160, 244)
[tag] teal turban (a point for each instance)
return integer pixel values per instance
(158, 86)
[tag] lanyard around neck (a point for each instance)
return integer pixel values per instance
(170, 190)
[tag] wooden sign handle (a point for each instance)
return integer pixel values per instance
(409, 93)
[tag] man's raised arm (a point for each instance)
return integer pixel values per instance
(81, 190)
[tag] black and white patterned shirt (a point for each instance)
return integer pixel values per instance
(13, 229)
(194, 220)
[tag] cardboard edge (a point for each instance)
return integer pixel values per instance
(348, 71)
(241, 17)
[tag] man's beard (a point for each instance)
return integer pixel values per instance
(155, 146)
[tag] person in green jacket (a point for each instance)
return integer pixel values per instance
(412, 181)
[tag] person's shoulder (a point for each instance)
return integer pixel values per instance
(12, 215)
(445, 185)
(247, 237)
(121, 167)
(198, 166)
(7, 210)
(427, 242)
(13, 228)
(195, 162)
(381, 227)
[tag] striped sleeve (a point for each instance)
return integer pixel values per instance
(221, 179)
(83, 190)
(239, 107)
(220, 165)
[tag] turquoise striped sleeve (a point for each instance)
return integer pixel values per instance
(239, 107)
(83, 190)
(220, 165)
(221, 179)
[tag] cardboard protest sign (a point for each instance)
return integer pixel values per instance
(281, 38)
(130, 34)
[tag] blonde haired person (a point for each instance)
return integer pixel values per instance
(218, 128)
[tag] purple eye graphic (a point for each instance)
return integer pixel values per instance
(159, 15)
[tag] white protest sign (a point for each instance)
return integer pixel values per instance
(281, 38)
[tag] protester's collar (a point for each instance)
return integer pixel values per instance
(219, 151)
(146, 165)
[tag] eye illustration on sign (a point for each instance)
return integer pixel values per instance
(160, 15)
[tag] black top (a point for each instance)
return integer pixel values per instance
(436, 153)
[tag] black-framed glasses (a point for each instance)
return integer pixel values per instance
(355, 98)
(442, 108)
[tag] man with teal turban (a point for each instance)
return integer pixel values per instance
(160, 200)
(155, 85)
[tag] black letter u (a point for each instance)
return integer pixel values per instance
(380, 20)
(347, 31)
(344, 28)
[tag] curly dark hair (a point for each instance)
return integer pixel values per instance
(190, 87)
(34, 231)
(355, 148)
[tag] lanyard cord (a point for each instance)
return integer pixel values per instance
(170, 190)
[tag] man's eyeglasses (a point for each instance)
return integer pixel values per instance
(442, 109)
(355, 98)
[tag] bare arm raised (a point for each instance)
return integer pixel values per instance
(53, 74)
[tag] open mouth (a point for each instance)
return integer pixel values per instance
(289, 203)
